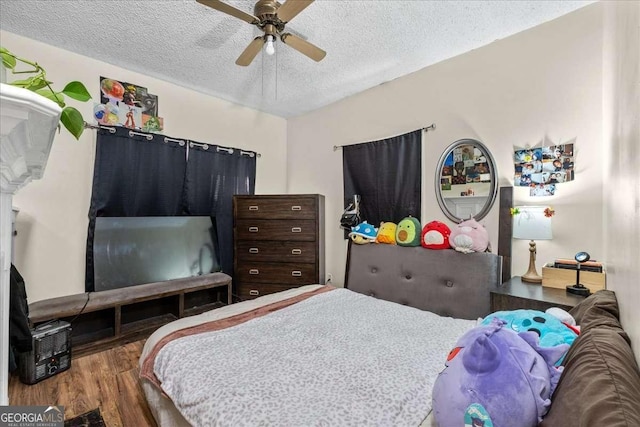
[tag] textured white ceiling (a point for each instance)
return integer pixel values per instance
(183, 42)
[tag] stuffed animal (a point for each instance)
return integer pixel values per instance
(435, 235)
(387, 233)
(551, 330)
(469, 236)
(363, 233)
(408, 232)
(495, 377)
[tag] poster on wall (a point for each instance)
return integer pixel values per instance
(543, 167)
(129, 105)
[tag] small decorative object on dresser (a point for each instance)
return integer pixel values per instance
(579, 288)
(279, 243)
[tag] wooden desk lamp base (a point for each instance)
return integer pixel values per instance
(532, 276)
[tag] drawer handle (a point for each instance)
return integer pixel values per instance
(254, 271)
(253, 208)
(296, 251)
(254, 292)
(296, 273)
(296, 229)
(253, 250)
(253, 229)
(296, 208)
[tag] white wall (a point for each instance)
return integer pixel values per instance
(544, 81)
(622, 141)
(52, 223)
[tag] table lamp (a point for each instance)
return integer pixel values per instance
(532, 223)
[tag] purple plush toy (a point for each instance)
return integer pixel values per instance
(495, 377)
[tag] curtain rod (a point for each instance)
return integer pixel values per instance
(432, 126)
(149, 136)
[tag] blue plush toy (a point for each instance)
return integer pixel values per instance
(549, 328)
(363, 233)
(495, 377)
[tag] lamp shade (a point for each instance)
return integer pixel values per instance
(531, 223)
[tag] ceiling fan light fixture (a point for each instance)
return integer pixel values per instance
(268, 45)
(271, 17)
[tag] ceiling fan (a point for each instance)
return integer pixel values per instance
(271, 17)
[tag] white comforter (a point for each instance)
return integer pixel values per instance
(336, 359)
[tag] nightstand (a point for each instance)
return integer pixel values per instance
(515, 294)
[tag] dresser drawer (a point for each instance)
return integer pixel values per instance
(275, 251)
(274, 272)
(254, 290)
(276, 207)
(263, 229)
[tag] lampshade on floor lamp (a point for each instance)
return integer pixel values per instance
(531, 223)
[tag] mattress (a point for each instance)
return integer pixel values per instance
(333, 357)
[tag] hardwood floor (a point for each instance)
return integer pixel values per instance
(108, 380)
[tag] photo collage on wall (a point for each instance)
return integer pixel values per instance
(129, 105)
(464, 165)
(542, 169)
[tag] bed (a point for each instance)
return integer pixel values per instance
(373, 357)
(365, 355)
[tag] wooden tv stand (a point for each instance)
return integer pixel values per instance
(119, 316)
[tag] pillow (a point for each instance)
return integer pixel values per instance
(600, 384)
(603, 299)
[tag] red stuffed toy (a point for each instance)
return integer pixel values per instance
(435, 235)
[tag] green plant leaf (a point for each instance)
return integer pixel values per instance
(21, 83)
(56, 97)
(8, 60)
(34, 83)
(73, 121)
(70, 118)
(77, 91)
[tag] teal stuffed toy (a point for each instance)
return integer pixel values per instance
(550, 329)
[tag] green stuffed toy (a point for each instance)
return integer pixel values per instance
(408, 232)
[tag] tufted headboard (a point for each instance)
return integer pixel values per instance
(445, 282)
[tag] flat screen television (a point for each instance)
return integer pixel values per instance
(131, 251)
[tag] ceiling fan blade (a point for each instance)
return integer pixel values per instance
(250, 52)
(291, 8)
(230, 10)
(303, 46)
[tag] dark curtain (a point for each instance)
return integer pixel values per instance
(214, 175)
(134, 176)
(387, 176)
(137, 176)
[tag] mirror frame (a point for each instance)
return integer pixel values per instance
(493, 191)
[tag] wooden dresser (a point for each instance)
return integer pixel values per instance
(279, 243)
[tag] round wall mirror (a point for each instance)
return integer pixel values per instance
(466, 180)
